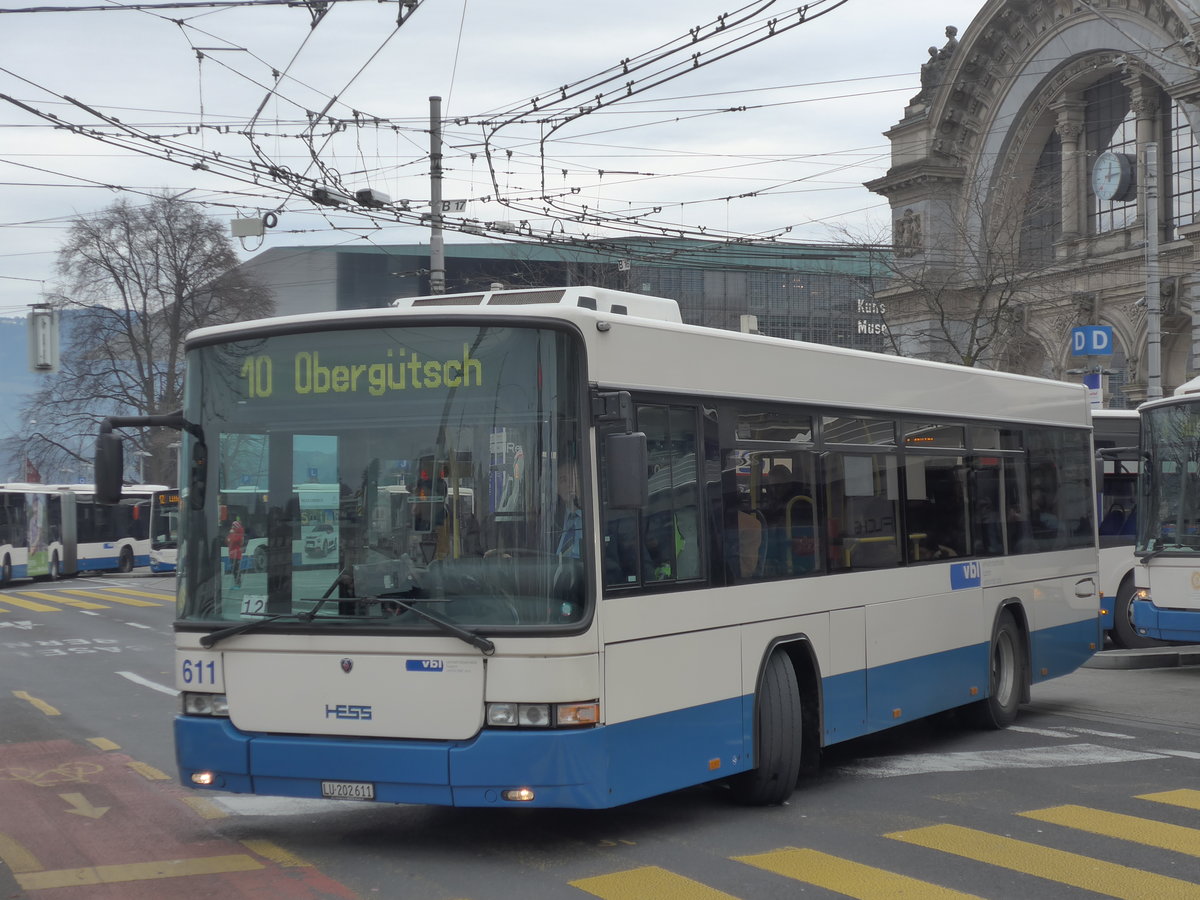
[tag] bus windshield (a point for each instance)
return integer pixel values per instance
(1172, 520)
(352, 475)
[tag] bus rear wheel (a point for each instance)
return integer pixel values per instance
(1006, 671)
(125, 562)
(780, 737)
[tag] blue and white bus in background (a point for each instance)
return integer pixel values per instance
(616, 556)
(1167, 603)
(164, 529)
(1115, 433)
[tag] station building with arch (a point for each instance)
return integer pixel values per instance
(1019, 194)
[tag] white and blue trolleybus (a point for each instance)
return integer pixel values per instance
(568, 551)
(1167, 603)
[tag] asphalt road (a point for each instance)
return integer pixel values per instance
(1095, 792)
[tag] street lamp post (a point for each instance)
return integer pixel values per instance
(141, 454)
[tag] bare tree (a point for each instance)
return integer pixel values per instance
(135, 280)
(964, 271)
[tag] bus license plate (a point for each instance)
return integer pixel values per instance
(348, 790)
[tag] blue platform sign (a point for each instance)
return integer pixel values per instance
(1092, 340)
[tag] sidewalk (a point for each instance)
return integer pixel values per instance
(1165, 657)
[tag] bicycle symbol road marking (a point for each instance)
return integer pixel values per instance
(67, 773)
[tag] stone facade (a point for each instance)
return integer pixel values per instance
(995, 211)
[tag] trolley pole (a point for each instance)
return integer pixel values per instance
(437, 246)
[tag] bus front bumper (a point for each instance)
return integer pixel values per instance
(1166, 624)
(584, 768)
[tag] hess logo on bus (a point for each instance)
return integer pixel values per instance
(348, 711)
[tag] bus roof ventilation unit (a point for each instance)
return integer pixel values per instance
(591, 298)
(447, 300)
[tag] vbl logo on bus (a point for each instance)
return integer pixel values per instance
(966, 575)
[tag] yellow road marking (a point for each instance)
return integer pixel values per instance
(1188, 799)
(275, 853)
(148, 771)
(205, 808)
(39, 704)
(161, 596)
(68, 601)
(846, 877)
(167, 868)
(123, 601)
(16, 857)
(1128, 828)
(648, 881)
(104, 744)
(1097, 875)
(31, 605)
(82, 806)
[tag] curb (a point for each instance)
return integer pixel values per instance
(1166, 657)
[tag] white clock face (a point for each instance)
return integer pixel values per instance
(1111, 176)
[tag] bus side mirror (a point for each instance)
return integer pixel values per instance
(109, 467)
(198, 475)
(626, 465)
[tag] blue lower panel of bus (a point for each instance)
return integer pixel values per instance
(863, 702)
(586, 768)
(598, 767)
(108, 563)
(162, 567)
(1166, 624)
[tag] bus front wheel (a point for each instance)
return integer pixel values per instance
(6, 571)
(780, 737)
(1006, 671)
(125, 562)
(1123, 633)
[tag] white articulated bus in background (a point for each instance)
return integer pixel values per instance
(37, 528)
(582, 553)
(113, 538)
(1167, 603)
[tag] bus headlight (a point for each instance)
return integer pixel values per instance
(542, 715)
(205, 704)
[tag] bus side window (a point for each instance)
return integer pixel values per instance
(662, 542)
(866, 488)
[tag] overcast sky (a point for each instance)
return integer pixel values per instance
(775, 138)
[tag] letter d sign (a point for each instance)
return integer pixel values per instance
(1092, 340)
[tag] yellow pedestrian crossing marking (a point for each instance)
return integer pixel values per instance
(1096, 875)
(167, 868)
(159, 595)
(66, 601)
(110, 598)
(1188, 799)
(31, 605)
(846, 877)
(648, 881)
(1129, 828)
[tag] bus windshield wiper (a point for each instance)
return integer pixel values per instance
(220, 634)
(463, 634)
(241, 627)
